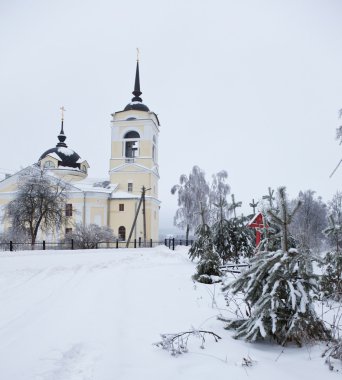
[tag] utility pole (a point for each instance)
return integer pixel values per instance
(142, 201)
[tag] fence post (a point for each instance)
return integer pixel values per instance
(165, 242)
(151, 243)
(135, 243)
(186, 242)
(173, 244)
(72, 243)
(43, 245)
(11, 246)
(180, 242)
(169, 243)
(117, 243)
(139, 241)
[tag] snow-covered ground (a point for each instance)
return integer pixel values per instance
(94, 315)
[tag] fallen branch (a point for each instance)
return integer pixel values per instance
(177, 344)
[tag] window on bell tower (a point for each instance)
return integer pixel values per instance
(131, 145)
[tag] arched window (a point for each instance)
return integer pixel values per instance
(122, 233)
(49, 165)
(132, 135)
(132, 145)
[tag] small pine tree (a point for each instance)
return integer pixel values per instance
(331, 280)
(241, 239)
(204, 239)
(203, 248)
(208, 266)
(279, 288)
(220, 230)
(232, 239)
(283, 217)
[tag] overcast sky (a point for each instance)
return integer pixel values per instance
(253, 87)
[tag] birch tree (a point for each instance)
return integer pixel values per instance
(192, 191)
(39, 204)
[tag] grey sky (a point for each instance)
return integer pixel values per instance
(253, 87)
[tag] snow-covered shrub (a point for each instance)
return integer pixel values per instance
(279, 288)
(208, 266)
(88, 236)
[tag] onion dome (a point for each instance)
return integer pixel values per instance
(64, 157)
(136, 103)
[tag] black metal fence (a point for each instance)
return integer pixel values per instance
(136, 243)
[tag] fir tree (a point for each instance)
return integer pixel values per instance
(279, 288)
(232, 238)
(221, 233)
(283, 217)
(331, 281)
(203, 238)
(241, 239)
(203, 247)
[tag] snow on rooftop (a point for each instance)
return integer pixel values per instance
(65, 151)
(124, 195)
(95, 185)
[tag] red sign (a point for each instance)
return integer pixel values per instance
(259, 224)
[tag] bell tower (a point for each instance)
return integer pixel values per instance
(134, 164)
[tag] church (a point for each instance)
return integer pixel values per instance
(112, 201)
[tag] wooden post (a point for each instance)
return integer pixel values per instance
(43, 245)
(134, 222)
(11, 246)
(72, 243)
(135, 243)
(151, 243)
(173, 244)
(117, 243)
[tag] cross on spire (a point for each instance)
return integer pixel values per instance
(63, 110)
(61, 136)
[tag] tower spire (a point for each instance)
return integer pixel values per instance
(61, 136)
(137, 91)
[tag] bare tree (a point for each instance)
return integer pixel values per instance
(88, 237)
(335, 207)
(310, 221)
(39, 204)
(219, 189)
(192, 191)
